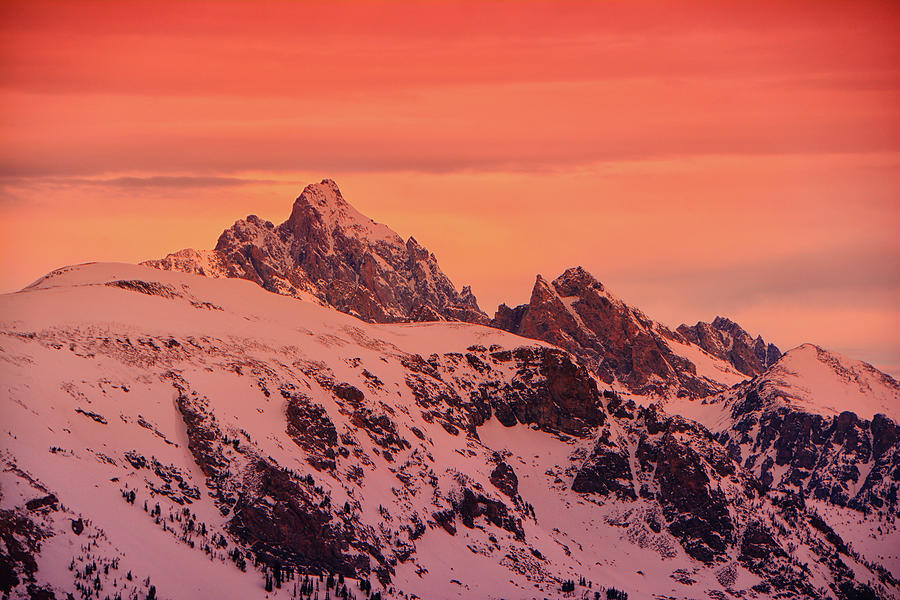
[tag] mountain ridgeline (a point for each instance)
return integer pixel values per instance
(175, 430)
(727, 340)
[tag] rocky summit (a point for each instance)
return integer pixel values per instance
(328, 250)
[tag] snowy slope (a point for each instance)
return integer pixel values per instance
(73, 342)
(296, 434)
(808, 379)
(826, 383)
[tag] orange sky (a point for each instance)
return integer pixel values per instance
(700, 158)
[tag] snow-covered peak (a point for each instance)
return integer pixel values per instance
(827, 383)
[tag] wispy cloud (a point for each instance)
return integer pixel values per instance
(136, 182)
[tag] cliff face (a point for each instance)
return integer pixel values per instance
(328, 250)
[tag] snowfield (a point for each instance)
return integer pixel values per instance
(199, 396)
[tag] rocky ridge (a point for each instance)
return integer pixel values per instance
(618, 342)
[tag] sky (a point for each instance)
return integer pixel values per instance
(699, 158)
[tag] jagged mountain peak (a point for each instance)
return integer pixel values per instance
(620, 343)
(321, 209)
(724, 323)
(727, 340)
(417, 251)
(542, 288)
(575, 280)
(328, 250)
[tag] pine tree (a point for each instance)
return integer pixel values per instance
(276, 571)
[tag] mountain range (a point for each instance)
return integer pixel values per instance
(313, 410)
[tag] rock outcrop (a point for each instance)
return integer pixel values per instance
(311, 429)
(678, 479)
(328, 250)
(284, 518)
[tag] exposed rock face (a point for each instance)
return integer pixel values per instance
(469, 504)
(728, 340)
(327, 249)
(758, 543)
(688, 485)
(842, 459)
(312, 430)
(616, 341)
(203, 433)
(504, 479)
(681, 468)
(607, 471)
(547, 389)
(697, 510)
(21, 538)
(380, 428)
(281, 518)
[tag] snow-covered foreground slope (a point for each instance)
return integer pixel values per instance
(203, 435)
